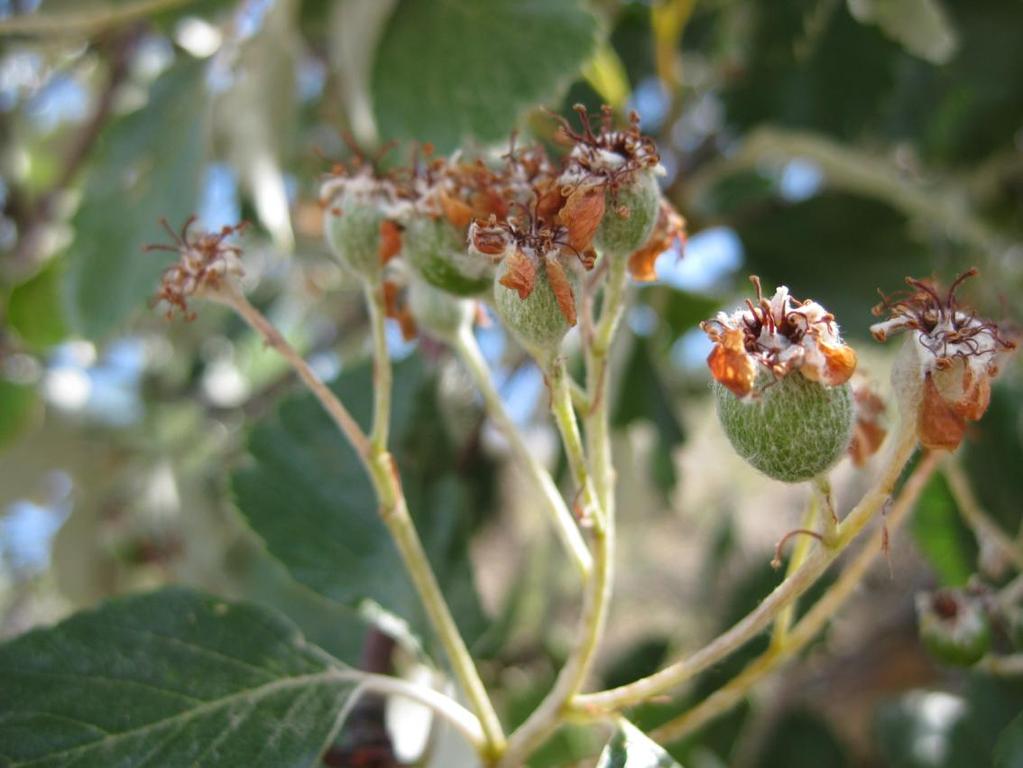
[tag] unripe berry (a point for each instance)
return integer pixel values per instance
(953, 626)
(537, 320)
(437, 312)
(352, 227)
(629, 215)
(791, 429)
(437, 252)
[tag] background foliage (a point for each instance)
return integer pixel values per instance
(833, 145)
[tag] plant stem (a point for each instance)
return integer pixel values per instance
(799, 555)
(808, 627)
(564, 417)
(1003, 666)
(983, 526)
(546, 718)
(273, 338)
(901, 446)
(381, 367)
(460, 717)
(394, 512)
(84, 22)
(468, 350)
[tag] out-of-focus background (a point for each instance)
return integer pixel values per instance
(835, 146)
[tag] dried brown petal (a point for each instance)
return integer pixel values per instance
(940, 424)
(520, 275)
(581, 214)
(457, 212)
(730, 365)
(562, 288)
(390, 240)
(670, 227)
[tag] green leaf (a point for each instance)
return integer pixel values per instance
(943, 539)
(306, 494)
(451, 70)
(148, 165)
(920, 26)
(171, 678)
(630, 748)
(35, 311)
(1009, 750)
(802, 740)
(643, 395)
(19, 404)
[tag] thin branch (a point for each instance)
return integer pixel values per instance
(901, 447)
(808, 627)
(86, 22)
(969, 507)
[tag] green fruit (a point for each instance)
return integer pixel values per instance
(624, 235)
(953, 627)
(437, 312)
(791, 429)
(536, 321)
(351, 226)
(437, 252)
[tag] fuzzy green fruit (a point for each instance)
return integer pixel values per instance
(437, 252)
(351, 227)
(623, 236)
(953, 627)
(791, 429)
(536, 321)
(437, 312)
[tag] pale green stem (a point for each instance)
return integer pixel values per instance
(85, 21)
(975, 516)
(808, 627)
(799, 554)
(393, 511)
(552, 710)
(901, 447)
(829, 517)
(1003, 666)
(381, 367)
(564, 523)
(568, 427)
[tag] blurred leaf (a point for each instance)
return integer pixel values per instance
(451, 70)
(18, 405)
(1009, 750)
(644, 396)
(306, 494)
(680, 310)
(631, 748)
(59, 17)
(802, 740)
(921, 26)
(147, 166)
(641, 659)
(169, 678)
(931, 729)
(837, 249)
(35, 311)
(993, 455)
(944, 540)
(798, 72)
(606, 75)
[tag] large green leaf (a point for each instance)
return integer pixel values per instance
(449, 70)
(941, 535)
(19, 403)
(305, 493)
(34, 309)
(148, 165)
(1009, 750)
(630, 748)
(171, 678)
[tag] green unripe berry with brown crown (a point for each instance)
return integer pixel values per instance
(351, 227)
(791, 429)
(629, 215)
(537, 320)
(437, 251)
(954, 626)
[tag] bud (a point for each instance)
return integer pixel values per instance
(438, 312)
(954, 626)
(942, 375)
(781, 383)
(359, 222)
